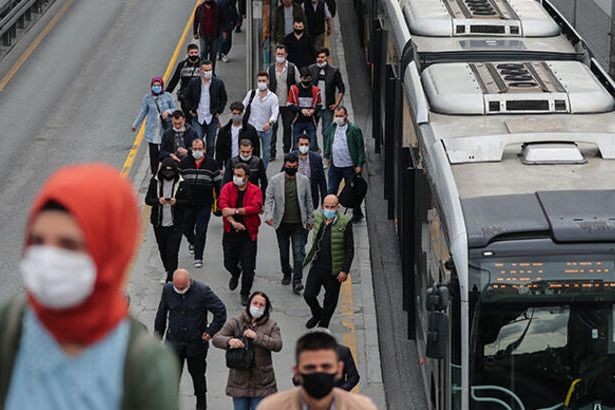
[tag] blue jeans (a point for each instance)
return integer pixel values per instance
(335, 177)
(305, 127)
(298, 235)
(265, 137)
(246, 403)
(326, 116)
(209, 50)
(195, 229)
(207, 132)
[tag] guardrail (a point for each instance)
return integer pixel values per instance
(16, 16)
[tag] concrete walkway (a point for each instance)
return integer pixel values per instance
(354, 322)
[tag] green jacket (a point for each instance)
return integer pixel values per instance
(337, 241)
(356, 147)
(151, 371)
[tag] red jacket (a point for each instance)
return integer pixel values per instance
(252, 203)
(296, 103)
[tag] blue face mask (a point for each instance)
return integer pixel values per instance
(156, 89)
(329, 213)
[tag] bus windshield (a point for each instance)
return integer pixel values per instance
(542, 333)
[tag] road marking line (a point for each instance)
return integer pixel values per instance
(134, 150)
(34, 45)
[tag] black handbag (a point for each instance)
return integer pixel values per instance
(248, 109)
(166, 123)
(241, 359)
(353, 193)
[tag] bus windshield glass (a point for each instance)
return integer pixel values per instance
(542, 332)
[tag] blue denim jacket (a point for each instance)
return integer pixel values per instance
(149, 113)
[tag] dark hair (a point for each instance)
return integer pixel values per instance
(246, 143)
(177, 114)
(324, 50)
(315, 341)
(263, 74)
(304, 137)
(244, 167)
(281, 47)
(192, 46)
(298, 20)
(206, 62)
(267, 303)
(291, 157)
(53, 205)
(198, 139)
(305, 72)
(341, 107)
(237, 105)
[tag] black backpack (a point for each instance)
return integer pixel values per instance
(353, 193)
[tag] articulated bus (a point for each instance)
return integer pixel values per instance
(498, 130)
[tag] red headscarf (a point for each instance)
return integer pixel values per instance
(157, 79)
(104, 205)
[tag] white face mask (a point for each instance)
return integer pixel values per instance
(280, 60)
(304, 149)
(57, 278)
(237, 180)
(181, 292)
(197, 155)
(262, 86)
(245, 157)
(321, 65)
(207, 74)
(256, 312)
(340, 121)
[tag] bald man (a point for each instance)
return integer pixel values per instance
(187, 303)
(331, 255)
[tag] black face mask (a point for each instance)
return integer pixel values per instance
(298, 31)
(306, 83)
(168, 174)
(290, 171)
(318, 385)
(193, 59)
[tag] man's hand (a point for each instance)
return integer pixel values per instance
(162, 201)
(357, 170)
(235, 344)
(206, 337)
(175, 157)
(269, 222)
(333, 107)
(310, 112)
(304, 111)
(192, 113)
(266, 126)
(239, 226)
(164, 115)
(182, 151)
(249, 333)
(342, 277)
(224, 35)
(228, 212)
(173, 201)
(309, 227)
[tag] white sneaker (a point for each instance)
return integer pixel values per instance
(198, 263)
(224, 58)
(163, 280)
(191, 249)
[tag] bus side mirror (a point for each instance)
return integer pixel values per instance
(437, 335)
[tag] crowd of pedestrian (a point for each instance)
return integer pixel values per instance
(199, 168)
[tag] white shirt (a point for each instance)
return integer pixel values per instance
(235, 139)
(288, 20)
(264, 108)
(203, 110)
(167, 192)
(281, 78)
(341, 153)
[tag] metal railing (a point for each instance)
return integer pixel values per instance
(16, 16)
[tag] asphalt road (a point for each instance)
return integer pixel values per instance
(75, 98)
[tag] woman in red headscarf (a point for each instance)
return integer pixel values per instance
(70, 343)
(156, 109)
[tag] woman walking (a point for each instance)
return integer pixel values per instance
(253, 327)
(156, 109)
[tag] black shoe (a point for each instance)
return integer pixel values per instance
(232, 284)
(244, 300)
(297, 288)
(286, 280)
(238, 30)
(271, 158)
(312, 323)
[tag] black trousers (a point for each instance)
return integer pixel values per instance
(154, 157)
(239, 247)
(320, 276)
(197, 366)
(168, 238)
(287, 127)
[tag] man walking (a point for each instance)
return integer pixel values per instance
(232, 20)
(345, 149)
(310, 165)
(331, 255)
(285, 15)
(318, 16)
(304, 100)
(209, 28)
(282, 76)
(301, 51)
(257, 173)
(328, 79)
(231, 135)
(289, 210)
(263, 109)
(202, 176)
(240, 202)
(177, 140)
(168, 196)
(187, 303)
(206, 101)
(185, 71)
